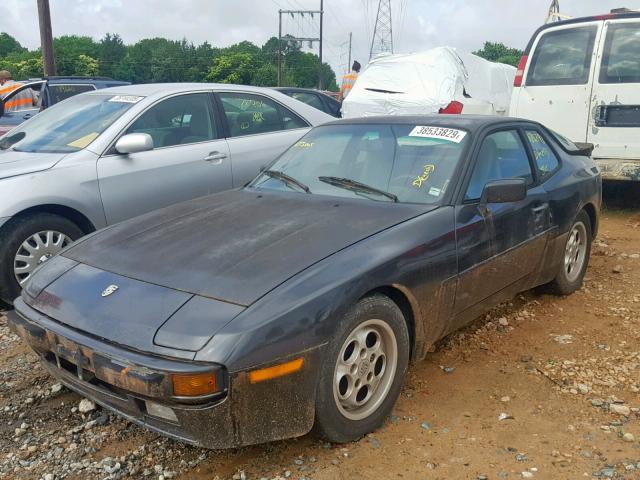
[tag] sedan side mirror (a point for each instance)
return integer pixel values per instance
(504, 191)
(134, 143)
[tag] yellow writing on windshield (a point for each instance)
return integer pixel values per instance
(424, 176)
(303, 144)
(82, 142)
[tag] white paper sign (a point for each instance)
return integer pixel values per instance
(441, 133)
(126, 98)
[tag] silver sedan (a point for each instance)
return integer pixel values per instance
(106, 156)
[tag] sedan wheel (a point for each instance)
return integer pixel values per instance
(35, 250)
(363, 370)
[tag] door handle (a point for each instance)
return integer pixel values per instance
(26, 116)
(215, 158)
(540, 208)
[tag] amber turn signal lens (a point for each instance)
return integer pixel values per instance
(276, 371)
(194, 385)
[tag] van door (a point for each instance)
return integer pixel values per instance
(557, 87)
(615, 103)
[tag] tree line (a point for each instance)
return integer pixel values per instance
(162, 60)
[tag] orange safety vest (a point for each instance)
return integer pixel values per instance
(348, 80)
(19, 101)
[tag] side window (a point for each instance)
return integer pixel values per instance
(621, 59)
(178, 120)
(309, 99)
(546, 161)
(249, 114)
(502, 155)
(563, 57)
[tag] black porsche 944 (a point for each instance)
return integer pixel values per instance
(299, 300)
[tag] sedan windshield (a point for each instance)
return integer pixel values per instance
(391, 163)
(68, 126)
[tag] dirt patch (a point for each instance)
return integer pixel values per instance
(543, 387)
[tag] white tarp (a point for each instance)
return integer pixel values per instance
(424, 82)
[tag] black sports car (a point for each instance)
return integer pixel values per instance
(251, 315)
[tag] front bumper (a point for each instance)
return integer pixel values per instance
(619, 169)
(122, 380)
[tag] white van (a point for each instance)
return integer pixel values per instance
(581, 78)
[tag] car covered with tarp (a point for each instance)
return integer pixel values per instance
(439, 80)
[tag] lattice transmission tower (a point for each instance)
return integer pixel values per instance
(554, 12)
(382, 40)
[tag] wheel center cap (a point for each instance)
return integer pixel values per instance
(363, 369)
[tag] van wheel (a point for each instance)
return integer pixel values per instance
(576, 257)
(363, 370)
(26, 243)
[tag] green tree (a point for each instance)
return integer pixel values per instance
(232, 68)
(68, 48)
(86, 66)
(499, 52)
(265, 76)
(8, 45)
(111, 53)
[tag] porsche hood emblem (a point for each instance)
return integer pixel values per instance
(110, 290)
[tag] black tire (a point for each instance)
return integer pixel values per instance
(564, 283)
(330, 422)
(14, 233)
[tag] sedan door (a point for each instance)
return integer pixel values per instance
(500, 245)
(259, 129)
(189, 159)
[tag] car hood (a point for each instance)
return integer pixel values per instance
(236, 246)
(14, 163)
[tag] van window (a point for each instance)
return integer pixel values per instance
(563, 57)
(621, 59)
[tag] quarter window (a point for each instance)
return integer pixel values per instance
(502, 155)
(546, 161)
(178, 121)
(563, 57)
(309, 99)
(621, 59)
(252, 114)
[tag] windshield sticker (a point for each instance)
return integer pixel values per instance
(440, 133)
(303, 144)
(126, 98)
(82, 142)
(435, 192)
(424, 176)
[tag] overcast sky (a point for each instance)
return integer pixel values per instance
(417, 24)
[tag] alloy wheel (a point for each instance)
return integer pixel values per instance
(365, 369)
(575, 251)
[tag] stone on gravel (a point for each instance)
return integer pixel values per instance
(618, 269)
(620, 409)
(86, 406)
(628, 437)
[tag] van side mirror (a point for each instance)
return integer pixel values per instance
(134, 143)
(504, 191)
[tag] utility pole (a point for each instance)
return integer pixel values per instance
(382, 40)
(320, 73)
(279, 48)
(46, 38)
(289, 38)
(349, 62)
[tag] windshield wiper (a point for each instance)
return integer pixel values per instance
(356, 186)
(286, 179)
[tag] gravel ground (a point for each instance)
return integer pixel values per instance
(542, 387)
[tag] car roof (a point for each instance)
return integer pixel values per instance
(149, 89)
(467, 122)
(615, 14)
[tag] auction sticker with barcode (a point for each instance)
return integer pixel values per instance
(441, 133)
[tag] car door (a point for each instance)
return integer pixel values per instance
(558, 79)
(499, 245)
(615, 105)
(27, 109)
(258, 130)
(189, 159)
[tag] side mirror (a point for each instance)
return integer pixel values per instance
(584, 148)
(504, 191)
(134, 143)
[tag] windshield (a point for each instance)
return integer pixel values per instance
(68, 126)
(403, 163)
